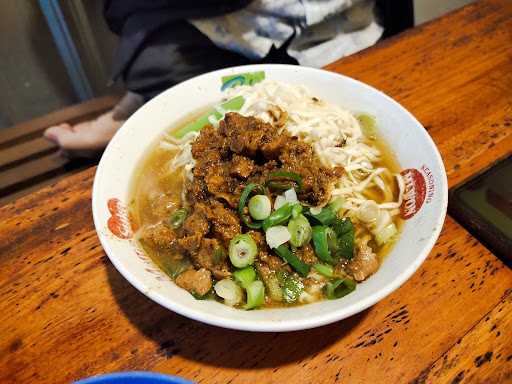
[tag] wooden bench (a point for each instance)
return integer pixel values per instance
(28, 161)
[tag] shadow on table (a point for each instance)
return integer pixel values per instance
(177, 335)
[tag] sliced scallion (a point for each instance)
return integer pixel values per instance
(242, 250)
(337, 203)
(324, 269)
(177, 218)
(277, 235)
(255, 295)
(279, 216)
(284, 175)
(279, 202)
(296, 210)
(323, 240)
(219, 255)
(385, 234)
(368, 125)
(325, 217)
(291, 285)
(339, 287)
(284, 252)
(243, 200)
(300, 231)
(259, 207)
(272, 284)
(345, 234)
(245, 276)
(290, 195)
(229, 291)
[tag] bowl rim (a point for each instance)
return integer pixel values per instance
(291, 324)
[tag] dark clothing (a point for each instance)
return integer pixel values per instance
(159, 48)
(123, 15)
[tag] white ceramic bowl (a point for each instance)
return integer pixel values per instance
(425, 204)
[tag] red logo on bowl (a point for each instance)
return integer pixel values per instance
(414, 194)
(118, 223)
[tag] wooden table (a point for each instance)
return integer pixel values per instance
(66, 313)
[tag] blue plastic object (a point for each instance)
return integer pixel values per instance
(134, 378)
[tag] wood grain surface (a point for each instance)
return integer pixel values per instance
(66, 313)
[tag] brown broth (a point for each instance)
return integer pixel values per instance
(159, 180)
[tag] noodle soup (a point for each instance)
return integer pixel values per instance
(285, 201)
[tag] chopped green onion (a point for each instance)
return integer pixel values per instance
(345, 233)
(195, 126)
(242, 250)
(177, 218)
(279, 202)
(300, 230)
(284, 252)
(260, 207)
(291, 285)
(207, 296)
(314, 210)
(279, 186)
(273, 287)
(295, 177)
(385, 234)
(337, 203)
(219, 255)
(291, 196)
(245, 276)
(170, 265)
(279, 216)
(324, 269)
(243, 200)
(339, 288)
(323, 240)
(229, 291)
(368, 211)
(296, 210)
(277, 235)
(326, 216)
(251, 224)
(368, 125)
(332, 241)
(245, 195)
(255, 295)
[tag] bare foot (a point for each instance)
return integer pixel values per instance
(87, 139)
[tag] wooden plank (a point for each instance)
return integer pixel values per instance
(25, 151)
(481, 356)
(17, 177)
(44, 182)
(27, 159)
(34, 174)
(71, 114)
